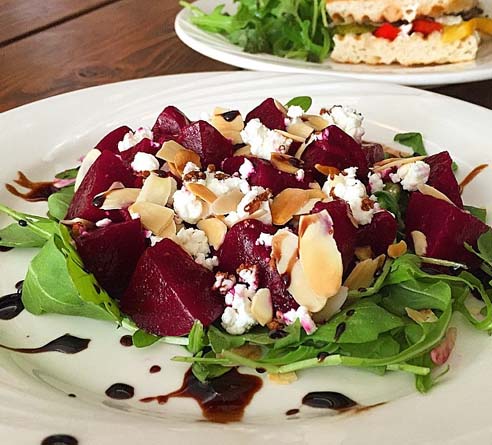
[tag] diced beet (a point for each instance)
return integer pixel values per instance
(144, 146)
(445, 226)
(205, 140)
(266, 175)
(169, 124)
(344, 230)
(111, 254)
(379, 234)
(169, 291)
(107, 169)
(239, 247)
(336, 149)
(268, 114)
(110, 141)
(442, 178)
(374, 152)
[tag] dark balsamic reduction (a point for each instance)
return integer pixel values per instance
(38, 191)
(5, 249)
(222, 399)
(328, 399)
(154, 369)
(350, 312)
(277, 333)
(321, 356)
(229, 116)
(120, 391)
(292, 412)
(73, 396)
(340, 329)
(66, 344)
(60, 439)
(126, 340)
(11, 305)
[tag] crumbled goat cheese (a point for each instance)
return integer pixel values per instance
(131, 139)
(187, 206)
(411, 176)
(224, 282)
(145, 162)
(376, 184)
(449, 20)
(249, 276)
(405, 30)
(265, 239)
(346, 118)
(195, 242)
(303, 315)
(300, 174)
(264, 141)
(154, 240)
(208, 262)
(247, 169)
(295, 111)
(105, 222)
(263, 213)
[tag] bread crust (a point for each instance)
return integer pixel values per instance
(411, 50)
(376, 11)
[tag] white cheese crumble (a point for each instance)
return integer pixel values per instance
(295, 111)
(105, 222)
(303, 315)
(195, 242)
(247, 169)
(347, 119)
(265, 239)
(449, 20)
(131, 139)
(187, 206)
(224, 282)
(375, 182)
(264, 141)
(405, 30)
(263, 213)
(144, 162)
(300, 174)
(411, 176)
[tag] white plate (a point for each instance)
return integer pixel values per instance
(45, 137)
(217, 47)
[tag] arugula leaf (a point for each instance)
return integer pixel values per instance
(221, 341)
(197, 339)
(376, 286)
(384, 346)
(292, 338)
(388, 201)
(478, 212)
(207, 371)
(15, 235)
(142, 339)
(71, 173)
(304, 102)
(412, 140)
(59, 202)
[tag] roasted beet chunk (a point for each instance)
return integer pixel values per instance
(445, 226)
(374, 152)
(110, 141)
(144, 146)
(379, 234)
(240, 248)
(442, 178)
(205, 140)
(107, 169)
(111, 254)
(268, 114)
(169, 124)
(169, 291)
(344, 230)
(336, 149)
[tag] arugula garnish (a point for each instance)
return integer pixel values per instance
(304, 102)
(412, 140)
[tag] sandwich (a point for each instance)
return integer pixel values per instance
(408, 32)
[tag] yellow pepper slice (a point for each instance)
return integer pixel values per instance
(463, 30)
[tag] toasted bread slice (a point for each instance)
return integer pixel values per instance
(376, 11)
(414, 49)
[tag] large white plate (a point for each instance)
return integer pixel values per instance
(217, 47)
(47, 136)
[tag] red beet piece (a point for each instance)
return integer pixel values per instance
(379, 234)
(266, 175)
(239, 247)
(442, 178)
(169, 291)
(205, 140)
(374, 152)
(336, 149)
(107, 169)
(169, 124)
(110, 141)
(268, 114)
(445, 226)
(345, 232)
(111, 254)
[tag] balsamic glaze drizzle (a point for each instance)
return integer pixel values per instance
(11, 305)
(66, 344)
(60, 439)
(328, 399)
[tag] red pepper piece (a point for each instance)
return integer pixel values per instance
(387, 31)
(426, 26)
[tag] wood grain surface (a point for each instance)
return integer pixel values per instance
(49, 47)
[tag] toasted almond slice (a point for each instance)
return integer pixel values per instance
(431, 191)
(395, 153)
(419, 242)
(471, 176)
(300, 129)
(398, 162)
(363, 253)
(362, 275)
(169, 231)
(215, 230)
(302, 292)
(243, 151)
(290, 136)
(71, 222)
(396, 250)
(316, 194)
(318, 251)
(285, 250)
(119, 198)
(285, 163)
(327, 170)
(227, 202)
(230, 129)
(183, 157)
(315, 121)
(332, 306)
(261, 306)
(285, 378)
(250, 351)
(280, 107)
(87, 162)
(422, 316)
(202, 192)
(306, 208)
(156, 189)
(168, 151)
(153, 217)
(286, 204)
(173, 169)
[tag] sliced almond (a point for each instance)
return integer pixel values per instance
(419, 242)
(332, 306)
(202, 192)
(280, 107)
(300, 129)
(227, 202)
(230, 129)
(243, 151)
(261, 306)
(169, 231)
(396, 250)
(168, 151)
(306, 208)
(422, 316)
(156, 189)
(431, 191)
(327, 170)
(119, 198)
(285, 163)
(319, 255)
(285, 250)
(87, 162)
(183, 157)
(395, 153)
(215, 230)
(290, 136)
(363, 274)
(285, 378)
(173, 169)
(286, 204)
(363, 253)
(153, 217)
(315, 121)
(302, 292)
(315, 194)
(398, 162)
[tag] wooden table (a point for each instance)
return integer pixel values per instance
(53, 46)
